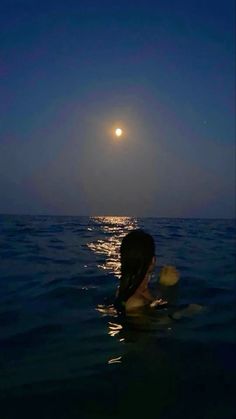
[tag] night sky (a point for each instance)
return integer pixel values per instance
(72, 71)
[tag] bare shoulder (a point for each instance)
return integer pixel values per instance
(135, 302)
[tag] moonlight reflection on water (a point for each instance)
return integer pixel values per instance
(117, 227)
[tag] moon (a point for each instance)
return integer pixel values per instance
(118, 132)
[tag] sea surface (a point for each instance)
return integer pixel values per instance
(62, 357)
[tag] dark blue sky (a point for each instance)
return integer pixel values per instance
(163, 70)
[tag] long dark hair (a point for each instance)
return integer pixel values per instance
(136, 253)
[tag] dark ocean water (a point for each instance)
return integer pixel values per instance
(62, 358)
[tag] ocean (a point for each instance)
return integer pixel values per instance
(61, 357)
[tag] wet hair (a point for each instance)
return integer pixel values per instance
(136, 253)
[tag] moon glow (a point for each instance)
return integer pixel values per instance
(118, 132)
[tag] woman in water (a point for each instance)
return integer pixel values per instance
(137, 263)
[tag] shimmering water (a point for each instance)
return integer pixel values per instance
(61, 358)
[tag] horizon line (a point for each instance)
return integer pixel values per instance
(118, 216)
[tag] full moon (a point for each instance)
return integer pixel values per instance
(118, 132)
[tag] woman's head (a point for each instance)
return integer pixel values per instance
(137, 252)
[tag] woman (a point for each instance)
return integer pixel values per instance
(137, 263)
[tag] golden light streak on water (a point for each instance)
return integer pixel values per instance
(115, 360)
(114, 329)
(116, 228)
